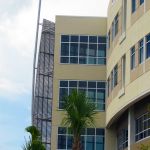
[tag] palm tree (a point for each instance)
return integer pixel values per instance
(79, 115)
(34, 142)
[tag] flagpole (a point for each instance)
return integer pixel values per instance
(35, 54)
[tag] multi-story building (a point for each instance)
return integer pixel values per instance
(109, 59)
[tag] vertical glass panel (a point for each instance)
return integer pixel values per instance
(133, 6)
(93, 50)
(92, 94)
(69, 142)
(101, 84)
(148, 50)
(90, 131)
(62, 130)
(92, 39)
(65, 38)
(74, 38)
(102, 50)
(74, 49)
(61, 142)
(90, 143)
(83, 49)
(64, 60)
(99, 143)
(100, 95)
(64, 49)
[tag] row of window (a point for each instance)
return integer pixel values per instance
(91, 139)
(77, 49)
(134, 4)
(142, 127)
(143, 51)
(95, 91)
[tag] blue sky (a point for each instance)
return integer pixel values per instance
(17, 35)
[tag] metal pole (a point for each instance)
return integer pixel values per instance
(35, 54)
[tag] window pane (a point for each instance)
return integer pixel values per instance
(101, 84)
(91, 84)
(93, 39)
(61, 142)
(100, 106)
(72, 83)
(92, 94)
(63, 83)
(101, 39)
(74, 38)
(100, 132)
(83, 60)
(91, 60)
(83, 84)
(141, 2)
(74, 49)
(90, 143)
(102, 61)
(63, 92)
(69, 142)
(74, 60)
(100, 95)
(90, 131)
(99, 143)
(84, 39)
(83, 49)
(92, 50)
(64, 49)
(101, 50)
(64, 60)
(65, 38)
(148, 50)
(133, 5)
(62, 130)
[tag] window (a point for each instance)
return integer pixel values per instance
(108, 86)
(77, 49)
(122, 139)
(112, 80)
(141, 2)
(148, 46)
(133, 57)
(115, 26)
(141, 51)
(91, 139)
(142, 126)
(95, 91)
(115, 75)
(124, 18)
(108, 40)
(123, 70)
(133, 6)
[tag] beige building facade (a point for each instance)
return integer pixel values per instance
(108, 59)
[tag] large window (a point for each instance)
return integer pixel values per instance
(77, 49)
(148, 46)
(122, 139)
(116, 24)
(142, 126)
(141, 51)
(95, 91)
(133, 57)
(123, 64)
(91, 139)
(133, 6)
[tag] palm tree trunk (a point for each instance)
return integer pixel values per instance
(76, 143)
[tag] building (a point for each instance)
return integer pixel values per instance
(109, 59)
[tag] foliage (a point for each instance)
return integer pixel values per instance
(145, 147)
(79, 115)
(34, 142)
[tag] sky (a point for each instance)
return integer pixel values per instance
(17, 37)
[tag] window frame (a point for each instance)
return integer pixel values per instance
(97, 60)
(102, 102)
